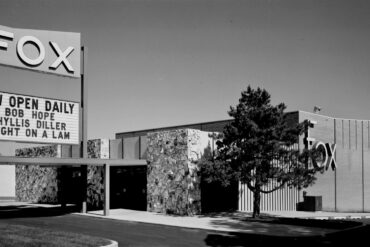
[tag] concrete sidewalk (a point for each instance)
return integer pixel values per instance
(231, 222)
(319, 215)
(271, 223)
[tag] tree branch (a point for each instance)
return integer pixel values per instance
(250, 187)
(272, 190)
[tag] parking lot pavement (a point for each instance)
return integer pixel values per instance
(137, 228)
(269, 224)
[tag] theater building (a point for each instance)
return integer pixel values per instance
(171, 183)
(347, 188)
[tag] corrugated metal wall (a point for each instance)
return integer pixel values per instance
(283, 199)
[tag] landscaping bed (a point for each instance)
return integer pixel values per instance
(26, 236)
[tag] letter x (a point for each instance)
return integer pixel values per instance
(331, 152)
(62, 57)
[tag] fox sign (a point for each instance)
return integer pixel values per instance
(45, 51)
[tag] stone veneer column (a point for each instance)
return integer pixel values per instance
(173, 179)
(34, 183)
(42, 184)
(98, 148)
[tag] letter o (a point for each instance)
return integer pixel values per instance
(316, 146)
(12, 101)
(37, 43)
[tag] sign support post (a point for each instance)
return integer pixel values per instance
(106, 189)
(84, 128)
(84, 102)
(63, 194)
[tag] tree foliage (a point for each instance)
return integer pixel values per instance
(260, 146)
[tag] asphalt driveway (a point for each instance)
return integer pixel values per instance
(128, 233)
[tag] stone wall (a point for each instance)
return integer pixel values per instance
(95, 174)
(173, 179)
(35, 183)
(43, 184)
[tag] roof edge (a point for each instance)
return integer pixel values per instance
(352, 119)
(182, 125)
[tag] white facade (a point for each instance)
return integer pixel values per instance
(7, 173)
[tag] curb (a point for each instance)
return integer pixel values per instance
(112, 244)
(349, 217)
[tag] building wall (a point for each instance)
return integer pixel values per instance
(7, 174)
(284, 199)
(366, 164)
(346, 188)
(215, 126)
(98, 148)
(44, 184)
(7, 182)
(173, 179)
(134, 143)
(35, 183)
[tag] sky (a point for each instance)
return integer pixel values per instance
(171, 62)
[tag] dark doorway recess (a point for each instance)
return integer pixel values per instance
(72, 186)
(217, 198)
(128, 187)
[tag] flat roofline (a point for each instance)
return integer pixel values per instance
(14, 160)
(339, 118)
(173, 126)
(182, 125)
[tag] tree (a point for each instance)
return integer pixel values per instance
(258, 147)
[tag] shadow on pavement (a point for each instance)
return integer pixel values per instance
(278, 226)
(29, 211)
(349, 236)
(240, 239)
(270, 230)
(283, 227)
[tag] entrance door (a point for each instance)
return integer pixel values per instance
(128, 187)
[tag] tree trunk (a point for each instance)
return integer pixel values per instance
(256, 201)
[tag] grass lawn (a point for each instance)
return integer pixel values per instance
(25, 236)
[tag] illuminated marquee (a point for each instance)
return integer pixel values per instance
(327, 150)
(32, 119)
(45, 51)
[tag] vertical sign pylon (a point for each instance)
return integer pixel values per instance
(84, 102)
(106, 189)
(84, 127)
